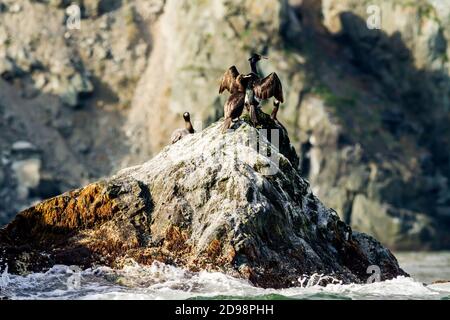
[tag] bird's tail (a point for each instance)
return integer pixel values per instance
(253, 115)
(226, 125)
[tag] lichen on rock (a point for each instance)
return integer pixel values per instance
(211, 201)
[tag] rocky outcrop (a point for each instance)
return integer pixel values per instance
(229, 202)
(368, 109)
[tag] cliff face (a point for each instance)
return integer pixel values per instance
(65, 93)
(378, 147)
(211, 201)
(366, 109)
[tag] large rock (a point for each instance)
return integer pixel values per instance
(211, 201)
(368, 108)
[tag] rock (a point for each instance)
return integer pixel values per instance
(4, 37)
(208, 202)
(23, 146)
(2, 176)
(91, 8)
(397, 228)
(70, 90)
(8, 68)
(101, 53)
(24, 59)
(82, 84)
(15, 8)
(70, 97)
(40, 81)
(27, 173)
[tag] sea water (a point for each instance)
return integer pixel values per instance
(160, 281)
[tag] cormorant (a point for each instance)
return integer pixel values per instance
(236, 84)
(263, 89)
(181, 133)
(252, 88)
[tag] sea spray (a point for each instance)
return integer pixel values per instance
(162, 281)
(4, 280)
(316, 279)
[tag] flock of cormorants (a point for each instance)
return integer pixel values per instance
(247, 90)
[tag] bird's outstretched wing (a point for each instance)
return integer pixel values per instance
(228, 79)
(234, 105)
(268, 87)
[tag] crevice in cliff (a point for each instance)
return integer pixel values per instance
(348, 207)
(305, 159)
(298, 107)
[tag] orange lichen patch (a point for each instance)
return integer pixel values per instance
(79, 209)
(173, 250)
(110, 240)
(214, 249)
(218, 254)
(84, 208)
(175, 239)
(230, 255)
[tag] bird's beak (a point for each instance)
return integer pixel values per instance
(264, 57)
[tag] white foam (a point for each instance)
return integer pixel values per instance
(4, 279)
(160, 281)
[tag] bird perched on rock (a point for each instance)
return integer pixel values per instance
(262, 88)
(182, 132)
(248, 90)
(236, 84)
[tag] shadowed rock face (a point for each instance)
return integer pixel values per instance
(208, 202)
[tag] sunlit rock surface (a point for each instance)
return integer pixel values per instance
(208, 202)
(367, 109)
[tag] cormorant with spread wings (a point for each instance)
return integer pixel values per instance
(236, 84)
(263, 88)
(248, 90)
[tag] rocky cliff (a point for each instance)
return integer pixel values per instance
(367, 109)
(229, 202)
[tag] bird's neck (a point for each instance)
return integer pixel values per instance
(189, 126)
(253, 67)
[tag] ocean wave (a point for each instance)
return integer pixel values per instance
(160, 281)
